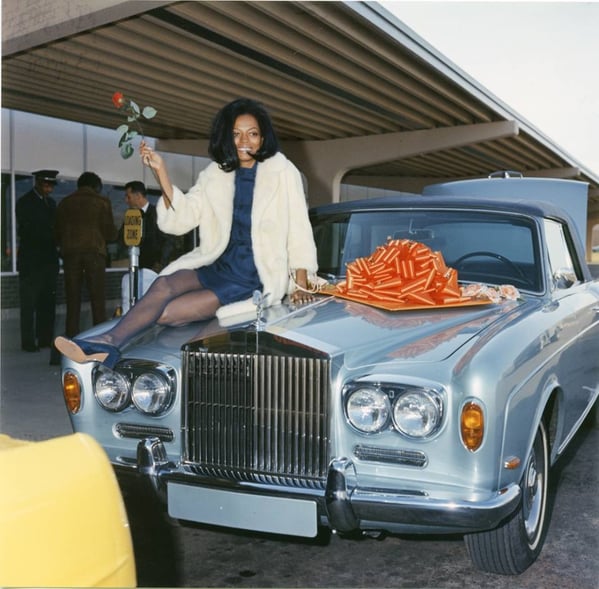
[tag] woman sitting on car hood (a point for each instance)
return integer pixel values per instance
(250, 208)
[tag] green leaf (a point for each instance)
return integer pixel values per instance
(134, 107)
(128, 136)
(149, 112)
(132, 118)
(127, 151)
(122, 129)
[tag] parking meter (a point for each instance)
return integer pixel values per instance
(132, 234)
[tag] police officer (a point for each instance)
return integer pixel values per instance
(37, 262)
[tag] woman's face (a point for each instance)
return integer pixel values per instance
(247, 138)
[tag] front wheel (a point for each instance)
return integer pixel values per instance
(512, 547)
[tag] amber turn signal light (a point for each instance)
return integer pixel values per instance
(472, 426)
(71, 390)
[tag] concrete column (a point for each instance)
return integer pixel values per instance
(325, 163)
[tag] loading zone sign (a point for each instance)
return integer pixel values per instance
(133, 227)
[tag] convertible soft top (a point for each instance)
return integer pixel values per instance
(519, 206)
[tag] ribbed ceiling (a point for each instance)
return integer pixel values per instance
(326, 70)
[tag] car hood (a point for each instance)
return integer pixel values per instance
(361, 332)
(340, 327)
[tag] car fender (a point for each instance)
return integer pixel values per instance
(62, 517)
(532, 398)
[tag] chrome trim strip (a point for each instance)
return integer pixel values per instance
(414, 458)
(141, 431)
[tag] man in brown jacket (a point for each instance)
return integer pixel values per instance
(84, 223)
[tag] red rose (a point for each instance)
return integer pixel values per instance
(118, 99)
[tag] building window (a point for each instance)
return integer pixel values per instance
(118, 255)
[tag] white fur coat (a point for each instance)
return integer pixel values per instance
(282, 237)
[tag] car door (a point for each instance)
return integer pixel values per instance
(577, 305)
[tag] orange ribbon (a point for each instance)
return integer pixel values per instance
(402, 272)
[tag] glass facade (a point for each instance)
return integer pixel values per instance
(31, 142)
(117, 252)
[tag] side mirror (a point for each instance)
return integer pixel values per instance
(564, 278)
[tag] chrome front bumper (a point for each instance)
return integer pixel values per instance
(344, 506)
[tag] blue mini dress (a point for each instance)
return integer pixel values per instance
(233, 276)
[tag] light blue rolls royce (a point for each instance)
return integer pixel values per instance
(346, 415)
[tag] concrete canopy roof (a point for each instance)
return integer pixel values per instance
(354, 93)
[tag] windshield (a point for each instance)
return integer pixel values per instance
(485, 247)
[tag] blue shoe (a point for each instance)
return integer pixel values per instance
(82, 351)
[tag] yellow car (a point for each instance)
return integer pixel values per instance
(62, 517)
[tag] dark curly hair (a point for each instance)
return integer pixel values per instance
(222, 147)
(90, 180)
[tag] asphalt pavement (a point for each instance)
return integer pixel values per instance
(31, 403)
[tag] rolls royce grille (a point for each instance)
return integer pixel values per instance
(255, 417)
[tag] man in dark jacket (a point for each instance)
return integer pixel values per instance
(37, 262)
(84, 223)
(151, 251)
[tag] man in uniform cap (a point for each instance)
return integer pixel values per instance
(37, 262)
(48, 176)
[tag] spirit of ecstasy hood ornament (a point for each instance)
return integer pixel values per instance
(258, 299)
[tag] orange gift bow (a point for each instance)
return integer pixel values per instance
(402, 272)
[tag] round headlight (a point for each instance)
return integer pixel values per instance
(417, 413)
(368, 409)
(151, 393)
(112, 390)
